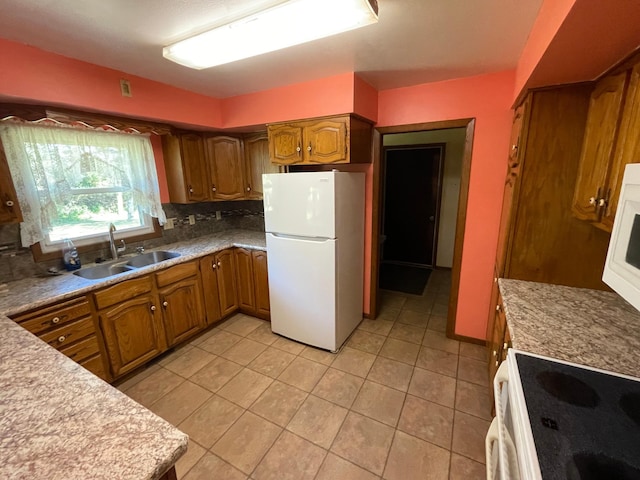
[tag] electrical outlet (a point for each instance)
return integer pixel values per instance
(192, 219)
(125, 88)
(169, 224)
(218, 215)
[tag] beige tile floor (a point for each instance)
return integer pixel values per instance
(399, 401)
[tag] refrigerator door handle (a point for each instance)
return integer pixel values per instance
(300, 238)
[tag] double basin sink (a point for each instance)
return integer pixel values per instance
(110, 269)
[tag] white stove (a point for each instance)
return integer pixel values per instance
(558, 420)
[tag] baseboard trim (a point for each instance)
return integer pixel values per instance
(462, 338)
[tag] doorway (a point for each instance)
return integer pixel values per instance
(412, 186)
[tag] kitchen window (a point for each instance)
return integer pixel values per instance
(72, 183)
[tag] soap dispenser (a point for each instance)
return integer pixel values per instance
(70, 256)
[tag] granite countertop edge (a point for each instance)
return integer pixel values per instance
(61, 421)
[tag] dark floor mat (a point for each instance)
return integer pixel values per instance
(403, 278)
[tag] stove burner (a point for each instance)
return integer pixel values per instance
(568, 389)
(630, 404)
(591, 466)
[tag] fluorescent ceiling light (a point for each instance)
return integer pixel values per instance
(289, 23)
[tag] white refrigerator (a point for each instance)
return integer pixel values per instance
(314, 223)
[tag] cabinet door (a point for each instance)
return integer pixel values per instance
(224, 156)
(256, 155)
(9, 209)
(285, 144)
(261, 283)
(131, 333)
(182, 310)
(326, 141)
(514, 167)
(195, 167)
(244, 280)
(597, 148)
(226, 271)
(627, 148)
(208, 272)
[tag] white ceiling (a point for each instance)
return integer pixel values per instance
(414, 41)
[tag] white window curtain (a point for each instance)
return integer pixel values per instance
(37, 156)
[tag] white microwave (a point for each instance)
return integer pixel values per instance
(622, 267)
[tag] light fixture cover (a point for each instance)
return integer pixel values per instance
(289, 23)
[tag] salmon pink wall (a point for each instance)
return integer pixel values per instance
(488, 99)
(365, 101)
(33, 75)
(550, 17)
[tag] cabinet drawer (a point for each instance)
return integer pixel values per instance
(176, 273)
(82, 350)
(69, 333)
(95, 366)
(54, 316)
(122, 291)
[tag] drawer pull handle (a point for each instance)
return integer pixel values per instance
(62, 338)
(55, 320)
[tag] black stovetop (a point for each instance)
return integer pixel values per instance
(585, 424)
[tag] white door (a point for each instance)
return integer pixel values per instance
(300, 204)
(302, 289)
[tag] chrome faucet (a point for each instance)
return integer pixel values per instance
(112, 244)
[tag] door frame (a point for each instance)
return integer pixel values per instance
(442, 147)
(378, 132)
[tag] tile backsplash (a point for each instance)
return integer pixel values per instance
(17, 262)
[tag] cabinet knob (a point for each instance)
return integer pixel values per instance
(505, 346)
(165, 304)
(62, 338)
(602, 202)
(213, 188)
(219, 264)
(213, 265)
(153, 308)
(248, 189)
(298, 149)
(495, 354)
(592, 201)
(498, 308)
(190, 189)
(497, 363)
(55, 320)
(514, 148)
(309, 148)
(9, 203)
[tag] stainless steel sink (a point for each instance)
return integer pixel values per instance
(103, 271)
(150, 258)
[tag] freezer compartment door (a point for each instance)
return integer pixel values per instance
(302, 289)
(300, 204)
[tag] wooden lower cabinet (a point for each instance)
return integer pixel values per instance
(69, 327)
(252, 281)
(131, 331)
(182, 310)
(219, 285)
(261, 279)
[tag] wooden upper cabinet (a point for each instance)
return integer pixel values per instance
(256, 157)
(186, 167)
(224, 157)
(627, 148)
(342, 139)
(592, 191)
(285, 144)
(9, 208)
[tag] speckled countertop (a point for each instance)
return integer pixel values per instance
(59, 421)
(589, 327)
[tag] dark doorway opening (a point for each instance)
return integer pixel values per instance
(411, 204)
